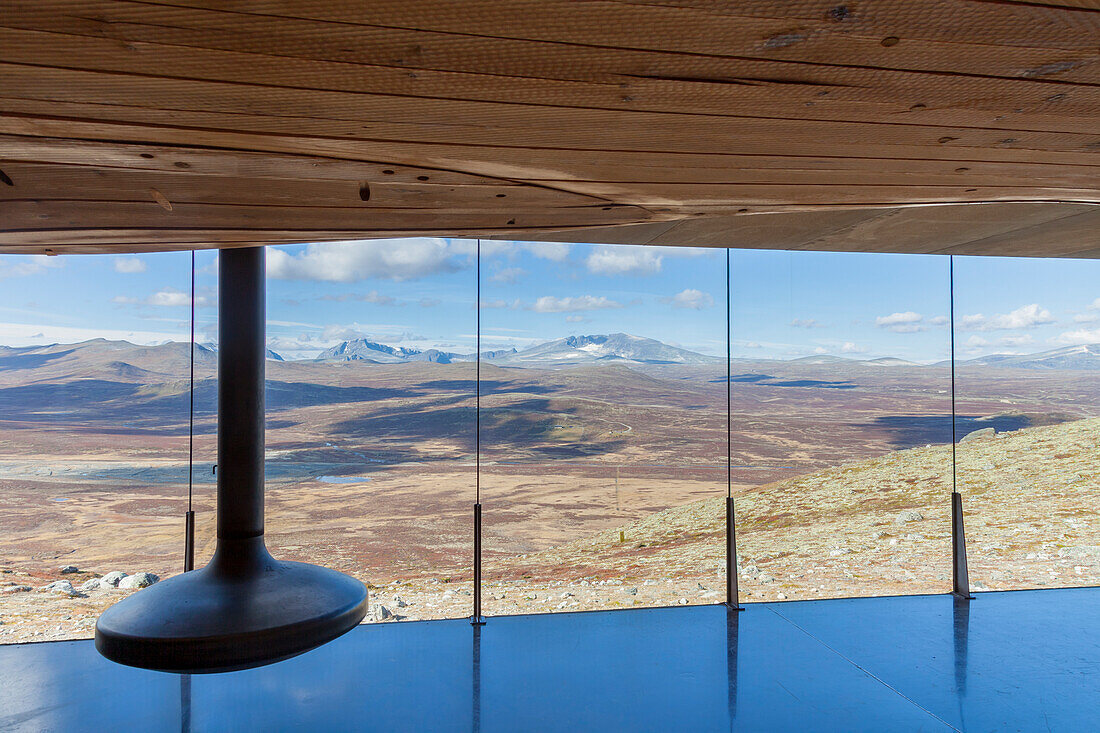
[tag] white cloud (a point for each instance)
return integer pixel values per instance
(429, 302)
(489, 247)
(336, 332)
(905, 322)
(501, 303)
(550, 304)
(577, 319)
(820, 350)
(806, 323)
(508, 275)
(848, 347)
(23, 334)
(690, 298)
(22, 265)
(130, 265)
(376, 298)
(553, 251)
(978, 342)
(389, 259)
(622, 260)
(1078, 337)
(1026, 316)
(167, 298)
(1092, 317)
(938, 320)
(752, 345)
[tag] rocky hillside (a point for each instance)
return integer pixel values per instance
(881, 526)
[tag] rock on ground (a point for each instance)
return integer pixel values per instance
(138, 580)
(112, 578)
(60, 586)
(983, 433)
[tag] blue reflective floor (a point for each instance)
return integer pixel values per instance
(1027, 660)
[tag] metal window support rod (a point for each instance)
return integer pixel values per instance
(245, 608)
(189, 517)
(733, 595)
(960, 576)
(959, 572)
(477, 619)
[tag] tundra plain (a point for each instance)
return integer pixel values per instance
(602, 485)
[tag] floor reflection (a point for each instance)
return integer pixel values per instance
(855, 665)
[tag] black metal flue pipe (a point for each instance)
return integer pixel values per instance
(241, 363)
(245, 608)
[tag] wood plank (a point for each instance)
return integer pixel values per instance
(686, 195)
(1072, 236)
(624, 168)
(625, 25)
(942, 228)
(990, 229)
(31, 215)
(487, 161)
(242, 163)
(438, 120)
(624, 71)
(46, 181)
(418, 49)
(586, 130)
(845, 98)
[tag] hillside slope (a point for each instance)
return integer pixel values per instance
(880, 526)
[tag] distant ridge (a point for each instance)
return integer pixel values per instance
(568, 351)
(1084, 357)
(621, 348)
(121, 358)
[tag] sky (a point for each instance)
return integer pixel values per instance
(421, 293)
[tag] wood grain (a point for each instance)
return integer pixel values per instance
(802, 123)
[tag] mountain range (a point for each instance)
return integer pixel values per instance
(619, 348)
(128, 359)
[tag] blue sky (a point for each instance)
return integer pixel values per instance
(420, 293)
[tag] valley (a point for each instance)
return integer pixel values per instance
(370, 469)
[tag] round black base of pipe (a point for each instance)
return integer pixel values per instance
(231, 615)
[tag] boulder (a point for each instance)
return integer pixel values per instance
(69, 569)
(138, 580)
(380, 613)
(112, 578)
(977, 434)
(16, 589)
(908, 516)
(399, 602)
(93, 584)
(63, 587)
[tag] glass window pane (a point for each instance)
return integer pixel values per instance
(603, 426)
(370, 417)
(94, 420)
(842, 432)
(1028, 335)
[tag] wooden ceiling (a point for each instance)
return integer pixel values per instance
(175, 124)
